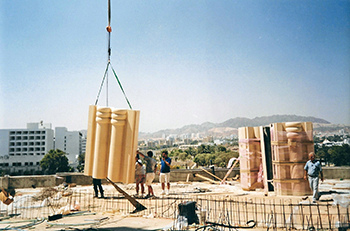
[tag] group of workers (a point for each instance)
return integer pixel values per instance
(146, 175)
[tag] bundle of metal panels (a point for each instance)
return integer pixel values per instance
(291, 143)
(111, 143)
(249, 157)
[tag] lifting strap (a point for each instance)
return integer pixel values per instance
(109, 30)
(119, 83)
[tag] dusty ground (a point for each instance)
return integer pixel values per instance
(107, 220)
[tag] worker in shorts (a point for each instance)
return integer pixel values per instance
(140, 176)
(151, 168)
(164, 175)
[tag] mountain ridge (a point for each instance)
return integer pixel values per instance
(233, 123)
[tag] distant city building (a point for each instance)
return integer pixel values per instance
(328, 143)
(21, 150)
(83, 141)
(170, 142)
(186, 146)
(219, 142)
(69, 142)
(208, 139)
(151, 144)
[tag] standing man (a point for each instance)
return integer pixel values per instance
(151, 168)
(313, 170)
(164, 176)
(139, 176)
(97, 183)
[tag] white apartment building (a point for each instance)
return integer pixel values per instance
(83, 141)
(22, 149)
(69, 142)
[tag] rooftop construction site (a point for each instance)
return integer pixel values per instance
(230, 199)
(73, 207)
(275, 182)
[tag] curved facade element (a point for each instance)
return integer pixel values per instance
(112, 144)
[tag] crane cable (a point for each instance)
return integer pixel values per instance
(109, 30)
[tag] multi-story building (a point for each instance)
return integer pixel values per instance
(22, 149)
(83, 141)
(69, 142)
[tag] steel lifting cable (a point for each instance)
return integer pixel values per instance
(104, 77)
(109, 30)
(120, 85)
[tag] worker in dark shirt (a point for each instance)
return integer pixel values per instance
(164, 175)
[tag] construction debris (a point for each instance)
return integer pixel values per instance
(206, 178)
(5, 197)
(201, 190)
(45, 193)
(211, 174)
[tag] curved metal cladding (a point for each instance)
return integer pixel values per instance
(115, 168)
(291, 143)
(90, 141)
(112, 144)
(124, 137)
(249, 157)
(131, 146)
(102, 142)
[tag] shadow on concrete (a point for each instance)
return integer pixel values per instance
(108, 229)
(331, 192)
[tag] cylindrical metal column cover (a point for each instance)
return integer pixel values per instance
(129, 135)
(102, 142)
(90, 141)
(133, 120)
(116, 151)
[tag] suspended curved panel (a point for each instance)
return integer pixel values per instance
(114, 145)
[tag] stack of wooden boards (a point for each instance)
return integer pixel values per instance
(111, 143)
(291, 143)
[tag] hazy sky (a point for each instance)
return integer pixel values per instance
(180, 61)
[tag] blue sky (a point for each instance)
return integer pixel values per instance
(180, 62)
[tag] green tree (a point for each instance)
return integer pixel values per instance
(191, 151)
(183, 156)
(318, 139)
(323, 156)
(55, 161)
(219, 162)
(221, 148)
(175, 153)
(340, 155)
(199, 159)
(222, 158)
(209, 157)
(81, 162)
(206, 149)
(335, 138)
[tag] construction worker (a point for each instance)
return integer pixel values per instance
(140, 176)
(151, 168)
(312, 171)
(164, 175)
(97, 183)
